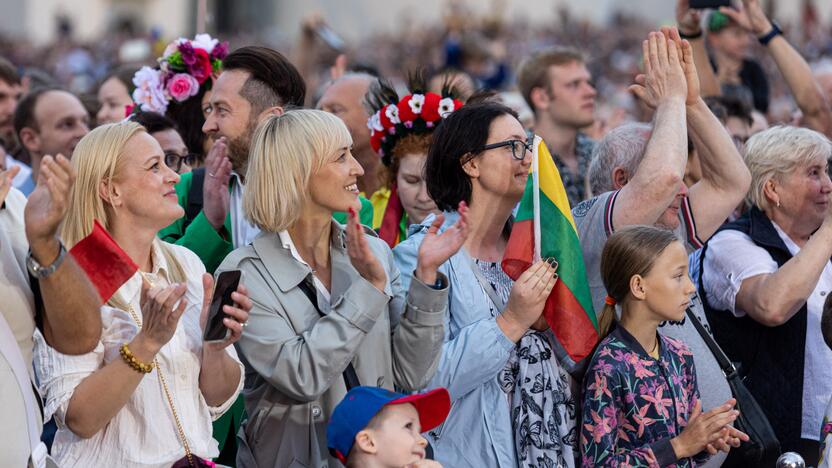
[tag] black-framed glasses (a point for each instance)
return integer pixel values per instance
(174, 161)
(518, 148)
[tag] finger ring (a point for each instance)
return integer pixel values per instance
(210, 175)
(244, 324)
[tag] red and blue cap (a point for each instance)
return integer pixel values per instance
(360, 404)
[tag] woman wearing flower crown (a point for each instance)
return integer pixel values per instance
(179, 86)
(401, 132)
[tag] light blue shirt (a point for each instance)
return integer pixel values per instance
(477, 432)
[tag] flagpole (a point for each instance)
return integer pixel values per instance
(536, 197)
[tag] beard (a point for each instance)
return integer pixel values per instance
(238, 149)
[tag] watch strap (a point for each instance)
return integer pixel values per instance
(39, 271)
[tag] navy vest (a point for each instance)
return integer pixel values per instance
(771, 358)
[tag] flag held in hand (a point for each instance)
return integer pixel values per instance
(544, 228)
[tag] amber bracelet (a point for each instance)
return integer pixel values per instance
(131, 361)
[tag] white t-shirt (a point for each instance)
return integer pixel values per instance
(732, 258)
(143, 433)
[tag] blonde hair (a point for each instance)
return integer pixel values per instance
(97, 157)
(776, 152)
(285, 151)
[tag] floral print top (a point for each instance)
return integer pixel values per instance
(634, 404)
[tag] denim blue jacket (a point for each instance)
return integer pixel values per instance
(477, 432)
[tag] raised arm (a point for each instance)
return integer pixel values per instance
(689, 24)
(817, 112)
(659, 176)
(71, 319)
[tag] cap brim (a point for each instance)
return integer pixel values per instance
(433, 406)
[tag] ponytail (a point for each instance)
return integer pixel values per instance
(606, 318)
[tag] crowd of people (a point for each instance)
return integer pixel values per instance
(374, 324)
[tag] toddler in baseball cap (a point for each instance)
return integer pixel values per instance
(374, 427)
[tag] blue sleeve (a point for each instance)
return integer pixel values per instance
(476, 353)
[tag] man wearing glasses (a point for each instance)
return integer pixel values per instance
(164, 131)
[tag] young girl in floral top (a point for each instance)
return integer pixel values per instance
(640, 403)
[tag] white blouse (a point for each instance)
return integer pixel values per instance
(143, 433)
(731, 259)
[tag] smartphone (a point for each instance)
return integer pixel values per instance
(702, 4)
(225, 284)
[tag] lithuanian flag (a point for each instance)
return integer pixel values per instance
(544, 228)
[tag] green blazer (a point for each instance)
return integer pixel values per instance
(212, 246)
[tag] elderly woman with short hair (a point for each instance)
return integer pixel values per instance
(328, 299)
(765, 278)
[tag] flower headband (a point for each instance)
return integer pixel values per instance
(183, 68)
(418, 112)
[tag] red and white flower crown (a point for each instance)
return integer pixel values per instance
(417, 113)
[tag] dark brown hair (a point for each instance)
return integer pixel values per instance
(274, 81)
(8, 72)
(631, 251)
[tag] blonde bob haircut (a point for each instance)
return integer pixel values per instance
(776, 153)
(96, 158)
(285, 151)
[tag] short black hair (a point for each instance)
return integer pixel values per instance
(153, 122)
(274, 81)
(8, 72)
(463, 132)
(24, 114)
(826, 321)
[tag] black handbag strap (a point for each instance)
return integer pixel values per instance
(308, 288)
(724, 363)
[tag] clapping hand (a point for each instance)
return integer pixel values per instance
(664, 77)
(6, 178)
(361, 256)
(215, 188)
(436, 248)
(47, 206)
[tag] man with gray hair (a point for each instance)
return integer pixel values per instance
(639, 168)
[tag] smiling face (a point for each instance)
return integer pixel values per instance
(231, 116)
(114, 98)
(804, 194)
(397, 436)
(412, 189)
(334, 187)
(666, 288)
(496, 171)
(142, 191)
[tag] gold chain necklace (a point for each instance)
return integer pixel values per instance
(165, 388)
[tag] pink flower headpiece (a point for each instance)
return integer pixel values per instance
(184, 67)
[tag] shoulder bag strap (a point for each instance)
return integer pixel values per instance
(350, 377)
(724, 363)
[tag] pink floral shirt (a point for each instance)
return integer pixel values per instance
(634, 404)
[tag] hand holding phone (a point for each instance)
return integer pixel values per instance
(715, 4)
(226, 283)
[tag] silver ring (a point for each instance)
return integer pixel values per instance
(244, 324)
(211, 175)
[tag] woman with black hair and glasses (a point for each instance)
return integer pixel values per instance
(512, 401)
(163, 129)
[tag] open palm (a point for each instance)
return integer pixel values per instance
(437, 248)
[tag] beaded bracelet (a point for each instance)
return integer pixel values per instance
(133, 362)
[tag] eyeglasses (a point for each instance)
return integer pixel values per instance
(174, 161)
(518, 148)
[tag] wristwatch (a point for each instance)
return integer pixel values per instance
(767, 37)
(39, 271)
